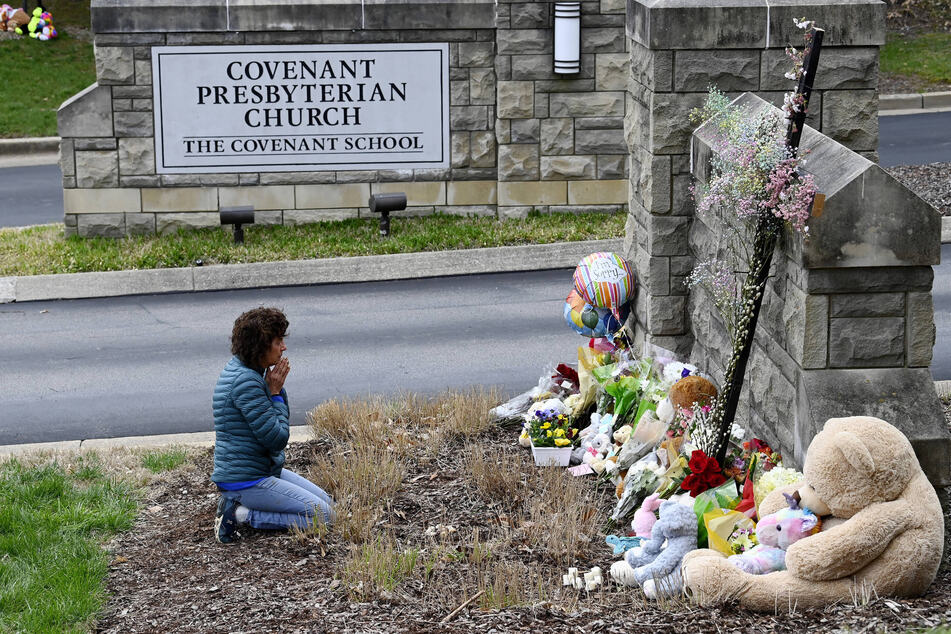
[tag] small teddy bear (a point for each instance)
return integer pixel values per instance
(654, 566)
(775, 533)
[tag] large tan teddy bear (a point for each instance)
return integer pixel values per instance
(883, 528)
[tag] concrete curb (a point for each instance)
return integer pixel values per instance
(372, 268)
(946, 230)
(299, 433)
(33, 145)
(933, 101)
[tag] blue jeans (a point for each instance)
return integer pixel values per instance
(290, 500)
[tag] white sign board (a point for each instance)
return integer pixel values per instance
(300, 108)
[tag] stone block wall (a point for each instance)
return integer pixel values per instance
(573, 160)
(560, 137)
(678, 49)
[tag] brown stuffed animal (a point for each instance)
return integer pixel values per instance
(19, 19)
(691, 389)
(886, 530)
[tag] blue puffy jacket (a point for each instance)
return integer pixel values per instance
(251, 430)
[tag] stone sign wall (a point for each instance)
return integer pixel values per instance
(520, 136)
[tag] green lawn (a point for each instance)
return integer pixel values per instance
(43, 249)
(52, 521)
(36, 77)
(926, 57)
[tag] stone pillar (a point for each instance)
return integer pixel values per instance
(677, 50)
(560, 137)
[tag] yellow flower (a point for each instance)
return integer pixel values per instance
(559, 432)
(549, 433)
(546, 425)
(562, 442)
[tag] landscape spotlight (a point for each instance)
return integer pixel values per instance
(237, 216)
(383, 204)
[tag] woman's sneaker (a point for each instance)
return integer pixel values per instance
(225, 522)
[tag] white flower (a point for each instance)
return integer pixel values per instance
(737, 432)
(802, 23)
(791, 75)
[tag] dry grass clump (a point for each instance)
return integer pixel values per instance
(497, 477)
(377, 568)
(562, 516)
(361, 481)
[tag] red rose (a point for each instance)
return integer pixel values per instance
(699, 462)
(694, 485)
(705, 473)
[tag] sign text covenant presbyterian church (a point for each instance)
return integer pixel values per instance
(300, 108)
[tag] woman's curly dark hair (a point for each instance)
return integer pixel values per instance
(254, 331)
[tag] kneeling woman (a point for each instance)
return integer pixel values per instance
(251, 431)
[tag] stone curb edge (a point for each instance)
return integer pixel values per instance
(298, 433)
(371, 268)
(34, 145)
(915, 101)
(946, 230)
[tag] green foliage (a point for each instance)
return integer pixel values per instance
(51, 522)
(926, 57)
(43, 249)
(36, 77)
(163, 460)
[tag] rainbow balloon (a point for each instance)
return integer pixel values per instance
(604, 280)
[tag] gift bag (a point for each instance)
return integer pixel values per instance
(719, 524)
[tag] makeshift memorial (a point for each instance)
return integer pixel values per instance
(885, 527)
(655, 564)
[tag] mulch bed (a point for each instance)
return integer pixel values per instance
(169, 574)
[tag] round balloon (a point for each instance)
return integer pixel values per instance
(604, 280)
(588, 321)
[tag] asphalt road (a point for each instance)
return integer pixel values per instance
(33, 195)
(914, 139)
(102, 368)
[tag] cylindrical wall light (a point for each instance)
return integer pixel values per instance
(567, 37)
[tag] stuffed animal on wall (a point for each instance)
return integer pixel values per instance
(654, 566)
(775, 533)
(883, 524)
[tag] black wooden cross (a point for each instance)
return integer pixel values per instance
(768, 229)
